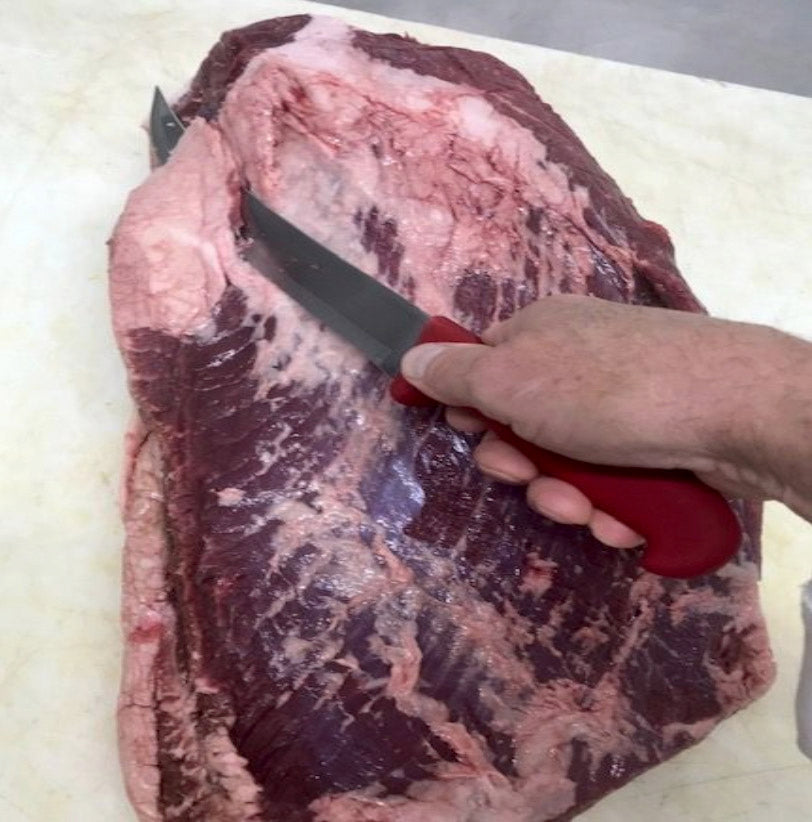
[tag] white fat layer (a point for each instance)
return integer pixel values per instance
(336, 141)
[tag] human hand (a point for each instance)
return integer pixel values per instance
(610, 384)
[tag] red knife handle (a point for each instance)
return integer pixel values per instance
(689, 528)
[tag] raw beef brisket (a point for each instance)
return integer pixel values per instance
(329, 613)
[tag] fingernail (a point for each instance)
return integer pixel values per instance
(416, 361)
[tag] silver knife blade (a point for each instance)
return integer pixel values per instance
(165, 129)
(369, 315)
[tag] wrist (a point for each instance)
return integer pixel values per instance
(762, 438)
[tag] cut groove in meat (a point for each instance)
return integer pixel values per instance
(329, 613)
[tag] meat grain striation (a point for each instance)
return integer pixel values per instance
(329, 613)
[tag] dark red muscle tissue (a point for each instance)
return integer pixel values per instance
(329, 613)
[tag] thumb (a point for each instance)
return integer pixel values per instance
(444, 370)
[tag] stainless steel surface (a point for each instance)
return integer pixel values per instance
(372, 317)
(752, 42)
(164, 128)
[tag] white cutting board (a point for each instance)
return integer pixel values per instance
(725, 168)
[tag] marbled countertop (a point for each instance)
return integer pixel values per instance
(725, 168)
